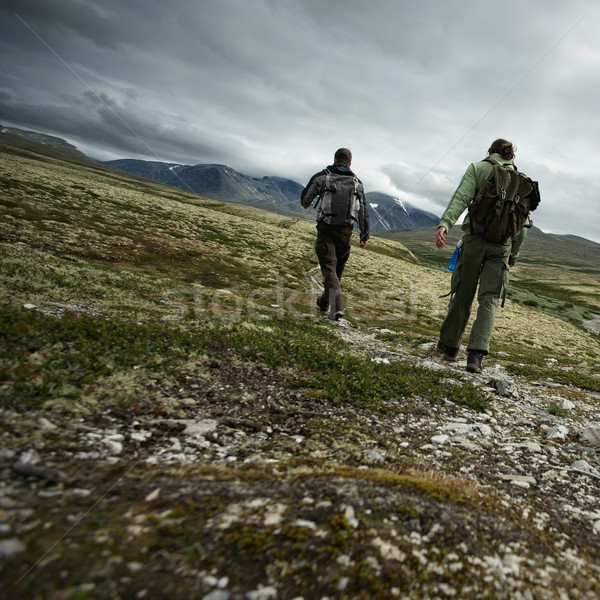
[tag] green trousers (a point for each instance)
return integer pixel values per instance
(480, 263)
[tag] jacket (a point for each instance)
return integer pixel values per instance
(474, 176)
(316, 187)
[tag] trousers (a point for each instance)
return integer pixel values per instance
(333, 249)
(484, 264)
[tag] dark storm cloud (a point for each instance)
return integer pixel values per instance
(417, 90)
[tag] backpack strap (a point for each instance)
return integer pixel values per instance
(327, 184)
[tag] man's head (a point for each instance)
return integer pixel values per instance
(505, 149)
(343, 155)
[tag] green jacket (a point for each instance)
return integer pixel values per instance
(474, 176)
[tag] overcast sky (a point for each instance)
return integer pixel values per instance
(416, 89)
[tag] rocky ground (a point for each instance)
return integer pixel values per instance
(247, 488)
(163, 444)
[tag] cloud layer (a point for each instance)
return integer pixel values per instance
(417, 90)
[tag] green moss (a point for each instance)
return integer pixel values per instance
(558, 411)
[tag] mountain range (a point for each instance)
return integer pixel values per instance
(275, 194)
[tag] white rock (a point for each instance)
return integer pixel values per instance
(381, 360)
(114, 446)
(29, 457)
(590, 434)
(374, 456)
(200, 427)
(558, 432)
(45, 424)
(469, 429)
(565, 404)
(527, 479)
(585, 467)
(263, 593)
(440, 440)
(530, 446)
(350, 516)
(11, 547)
(465, 443)
(29, 306)
(303, 523)
(389, 551)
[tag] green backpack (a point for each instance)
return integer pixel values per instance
(340, 199)
(503, 203)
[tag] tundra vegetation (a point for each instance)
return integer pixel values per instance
(178, 421)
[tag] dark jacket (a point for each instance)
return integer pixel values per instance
(316, 187)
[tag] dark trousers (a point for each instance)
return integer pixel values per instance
(333, 249)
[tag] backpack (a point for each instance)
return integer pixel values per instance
(339, 200)
(503, 203)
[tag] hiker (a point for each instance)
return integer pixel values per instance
(481, 261)
(342, 203)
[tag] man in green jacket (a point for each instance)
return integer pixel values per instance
(480, 262)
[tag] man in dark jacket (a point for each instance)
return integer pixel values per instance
(342, 198)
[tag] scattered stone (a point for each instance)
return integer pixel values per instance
(373, 456)
(263, 593)
(468, 429)
(504, 387)
(440, 440)
(113, 444)
(153, 495)
(565, 404)
(11, 547)
(518, 479)
(533, 447)
(590, 434)
(583, 466)
(45, 424)
(558, 432)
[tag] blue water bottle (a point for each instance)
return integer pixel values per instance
(455, 255)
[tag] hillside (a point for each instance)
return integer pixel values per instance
(274, 194)
(177, 421)
(558, 274)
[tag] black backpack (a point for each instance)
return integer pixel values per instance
(503, 203)
(339, 199)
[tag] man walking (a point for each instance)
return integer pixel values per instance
(481, 262)
(342, 203)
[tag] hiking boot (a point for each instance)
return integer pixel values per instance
(474, 359)
(449, 353)
(336, 316)
(323, 303)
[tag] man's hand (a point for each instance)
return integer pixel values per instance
(440, 237)
(363, 243)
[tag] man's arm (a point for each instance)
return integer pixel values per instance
(311, 191)
(465, 192)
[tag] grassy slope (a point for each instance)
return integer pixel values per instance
(158, 285)
(558, 274)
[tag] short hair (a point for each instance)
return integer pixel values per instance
(343, 155)
(504, 148)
